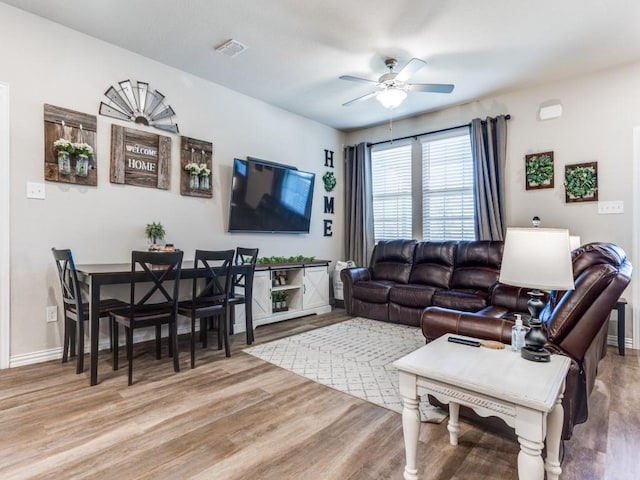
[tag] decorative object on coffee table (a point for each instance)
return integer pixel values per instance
(540, 259)
(539, 170)
(581, 182)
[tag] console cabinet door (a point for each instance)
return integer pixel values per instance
(261, 294)
(316, 287)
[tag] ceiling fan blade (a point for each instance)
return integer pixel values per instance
(357, 79)
(359, 99)
(431, 87)
(409, 69)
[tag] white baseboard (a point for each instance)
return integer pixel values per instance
(613, 340)
(56, 353)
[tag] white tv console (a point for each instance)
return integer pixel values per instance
(306, 285)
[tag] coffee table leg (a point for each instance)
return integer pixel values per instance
(530, 430)
(411, 431)
(555, 420)
(453, 426)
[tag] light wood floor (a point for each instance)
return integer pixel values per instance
(242, 418)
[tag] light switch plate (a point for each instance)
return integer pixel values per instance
(35, 190)
(611, 207)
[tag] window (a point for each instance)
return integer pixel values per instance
(391, 185)
(448, 211)
(439, 203)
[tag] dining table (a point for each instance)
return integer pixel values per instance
(98, 275)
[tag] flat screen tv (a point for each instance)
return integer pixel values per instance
(269, 197)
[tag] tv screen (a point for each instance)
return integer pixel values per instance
(268, 197)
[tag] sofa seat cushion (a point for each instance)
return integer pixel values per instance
(373, 291)
(464, 300)
(411, 295)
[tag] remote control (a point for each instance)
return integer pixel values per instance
(465, 341)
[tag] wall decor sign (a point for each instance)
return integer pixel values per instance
(539, 170)
(69, 146)
(196, 163)
(581, 182)
(329, 181)
(136, 102)
(139, 158)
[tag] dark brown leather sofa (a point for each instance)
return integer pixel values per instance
(452, 287)
(576, 321)
(405, 276)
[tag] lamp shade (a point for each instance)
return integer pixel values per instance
(537, 258)
(391, 97)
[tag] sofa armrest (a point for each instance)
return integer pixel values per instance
(513, 298)
(349, 277)
(437, 321)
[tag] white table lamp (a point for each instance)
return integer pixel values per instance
(540, 259)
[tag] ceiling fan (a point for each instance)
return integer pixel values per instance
(391, 87)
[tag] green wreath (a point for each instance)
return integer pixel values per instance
(329, 180)
(580, 182)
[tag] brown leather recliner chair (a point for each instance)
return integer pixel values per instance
(576, 321)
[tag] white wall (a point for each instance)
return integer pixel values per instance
(600, 111)
(43, 62)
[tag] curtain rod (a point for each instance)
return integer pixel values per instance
(415, 136)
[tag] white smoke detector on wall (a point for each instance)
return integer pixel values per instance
(548, 112)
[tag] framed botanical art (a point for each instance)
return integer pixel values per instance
(581, 182)
(539, 170)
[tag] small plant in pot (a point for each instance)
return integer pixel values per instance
(155, 232)
(279, 300)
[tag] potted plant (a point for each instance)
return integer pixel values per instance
(155, 231)
(83, 151)
(64, 148)
(194, 175)
(205, 176)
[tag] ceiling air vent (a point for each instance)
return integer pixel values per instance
(231, 48)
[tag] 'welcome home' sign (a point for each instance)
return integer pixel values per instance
(139, 158)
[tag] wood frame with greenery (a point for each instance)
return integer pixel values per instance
(581, 182)
(539, 170)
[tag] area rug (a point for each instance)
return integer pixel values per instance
(354, 357)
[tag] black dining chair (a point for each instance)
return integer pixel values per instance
(244, 256)
(76, 310)
(153, 303)
(210, 297)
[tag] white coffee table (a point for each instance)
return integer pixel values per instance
(526, 395)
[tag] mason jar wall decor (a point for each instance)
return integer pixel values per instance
(69, 146)
(196, 158)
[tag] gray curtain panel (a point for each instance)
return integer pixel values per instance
(359, 238)
(489, 151)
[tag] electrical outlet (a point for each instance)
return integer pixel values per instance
(52, 314)
(35, 190)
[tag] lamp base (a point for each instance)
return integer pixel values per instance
(535, 354)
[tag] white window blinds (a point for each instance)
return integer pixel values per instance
(391, 187)
(448, 211)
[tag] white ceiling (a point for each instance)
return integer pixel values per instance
(299, 48)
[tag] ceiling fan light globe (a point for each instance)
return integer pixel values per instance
(391, 97)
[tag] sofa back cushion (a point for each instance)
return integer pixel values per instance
(433, 263)
(392, 260)
(477, 265)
